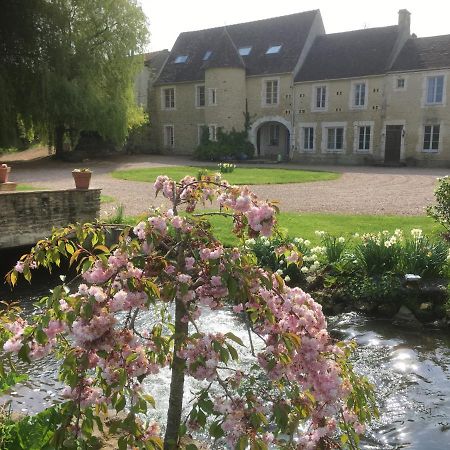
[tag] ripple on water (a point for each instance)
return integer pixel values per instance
(410, 369)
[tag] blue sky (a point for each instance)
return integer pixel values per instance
(169, 18)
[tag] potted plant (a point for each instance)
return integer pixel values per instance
(82, 178)
(4, 173)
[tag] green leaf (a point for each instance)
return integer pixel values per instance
(122, 443)
(120, 404)
(234, 338)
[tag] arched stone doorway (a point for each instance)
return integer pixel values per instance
(271, 137)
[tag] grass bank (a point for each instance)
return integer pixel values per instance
(241, 175)
(305, 224)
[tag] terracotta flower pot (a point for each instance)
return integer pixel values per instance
(4, 173)
(82, 179)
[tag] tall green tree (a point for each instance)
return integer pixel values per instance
(73, 69)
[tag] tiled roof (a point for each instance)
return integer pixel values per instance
(224, 54)
(350, 54)
(289, 31)
(424, 53)
(155, 60)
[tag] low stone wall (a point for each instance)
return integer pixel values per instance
(26, 217)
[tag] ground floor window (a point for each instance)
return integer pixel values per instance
(274, 135)
(308, 138)
(169, 136)
(335, 139)
(212, 132)
(431, 138)
(364, 135)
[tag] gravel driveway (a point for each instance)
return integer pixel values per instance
(360, 190)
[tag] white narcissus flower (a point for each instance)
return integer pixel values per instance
(341, 240)
(304, 269)
(287, 278)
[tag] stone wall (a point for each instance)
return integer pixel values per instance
(26, 217)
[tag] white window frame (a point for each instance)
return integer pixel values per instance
(212, 129)
(395, 81)
(265, 82)
(428, 77)
(325, 127)
(314, 106)
(356, 130)
(354, 85)
(197, 96)
(163, 98)
(422, 148)
(301, 146)
(200, 127)
(212, 95)
(165, 136)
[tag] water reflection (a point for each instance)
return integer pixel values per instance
(409, 367)
(411, 370)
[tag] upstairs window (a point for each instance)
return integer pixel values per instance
(435, 90)
(168, 98)
(180, 59)
(431, 138)
(359, 95)
(320, 98)
(271, 92)
(200, 96)
(212, 96)
(245, 51)
(273, 49)
(401, 83)
(207, 55)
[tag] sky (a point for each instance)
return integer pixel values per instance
(169, 18)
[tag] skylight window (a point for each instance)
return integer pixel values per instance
(273, 49)
(207, 55)
(180, 59)
(244, 51)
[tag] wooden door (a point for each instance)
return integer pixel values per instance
(393, 144)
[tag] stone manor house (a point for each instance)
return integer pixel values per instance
(377, 95)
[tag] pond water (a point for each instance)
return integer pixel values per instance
(410, 368)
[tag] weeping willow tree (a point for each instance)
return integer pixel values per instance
(70, 68)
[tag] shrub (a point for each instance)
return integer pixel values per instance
(441, 210)
(421, 256)
(378, 253)
(229, 145)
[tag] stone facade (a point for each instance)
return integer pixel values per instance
(31, 215)
(366, 115)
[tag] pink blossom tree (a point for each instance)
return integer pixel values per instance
(300, 393)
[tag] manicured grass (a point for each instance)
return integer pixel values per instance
(27, 187)
(241, 175)
(106, 199)
(305, 224)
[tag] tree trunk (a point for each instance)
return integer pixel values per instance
(177, 381)
(59, 140)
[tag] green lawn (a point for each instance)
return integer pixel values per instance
(305, 224)
(26, 187)
(241, 175)
(106, 199)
